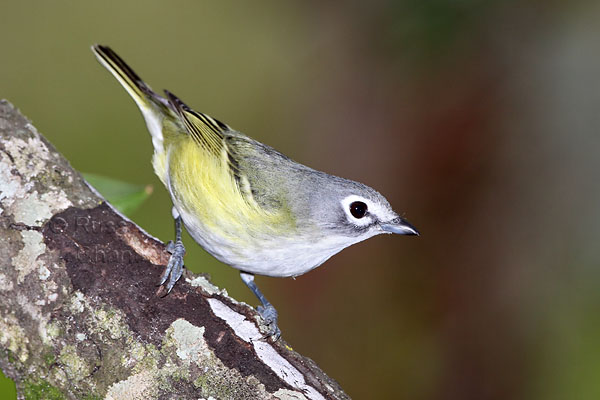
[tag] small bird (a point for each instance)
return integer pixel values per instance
(245, 203)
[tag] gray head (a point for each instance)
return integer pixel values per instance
(351, 209)
(341, 208)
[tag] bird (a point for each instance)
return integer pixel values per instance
(245, 203)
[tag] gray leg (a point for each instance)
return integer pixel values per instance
(266, 311)
(175, 265)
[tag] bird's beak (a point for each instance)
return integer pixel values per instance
(399, 226)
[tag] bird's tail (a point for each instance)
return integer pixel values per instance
(153, 107)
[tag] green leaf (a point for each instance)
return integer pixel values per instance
(126, 197)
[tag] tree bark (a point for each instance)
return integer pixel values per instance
(80, 313)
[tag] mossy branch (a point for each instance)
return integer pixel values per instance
(80, 315)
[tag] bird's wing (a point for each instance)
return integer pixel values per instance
(210, 134)
(205, 130)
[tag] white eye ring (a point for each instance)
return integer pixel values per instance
(363, 221)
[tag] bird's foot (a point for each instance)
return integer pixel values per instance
(269, 314)
(175, 266)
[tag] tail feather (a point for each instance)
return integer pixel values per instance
(153, 107)
(135, 86)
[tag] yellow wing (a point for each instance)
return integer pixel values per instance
(210, 133)
(205, 130)
(197, 159)
(204, 177)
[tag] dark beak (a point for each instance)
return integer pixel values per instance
(399, 226)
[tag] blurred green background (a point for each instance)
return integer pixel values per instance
(479, 121)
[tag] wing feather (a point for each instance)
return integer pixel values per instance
(211, 135)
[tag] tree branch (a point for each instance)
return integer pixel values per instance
(81, 317)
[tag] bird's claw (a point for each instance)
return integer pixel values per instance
(174, 268)
(269, 315)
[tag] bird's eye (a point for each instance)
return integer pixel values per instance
(358, 209)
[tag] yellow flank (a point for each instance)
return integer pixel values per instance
(203, 185)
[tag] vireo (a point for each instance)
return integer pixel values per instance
(245, 203)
